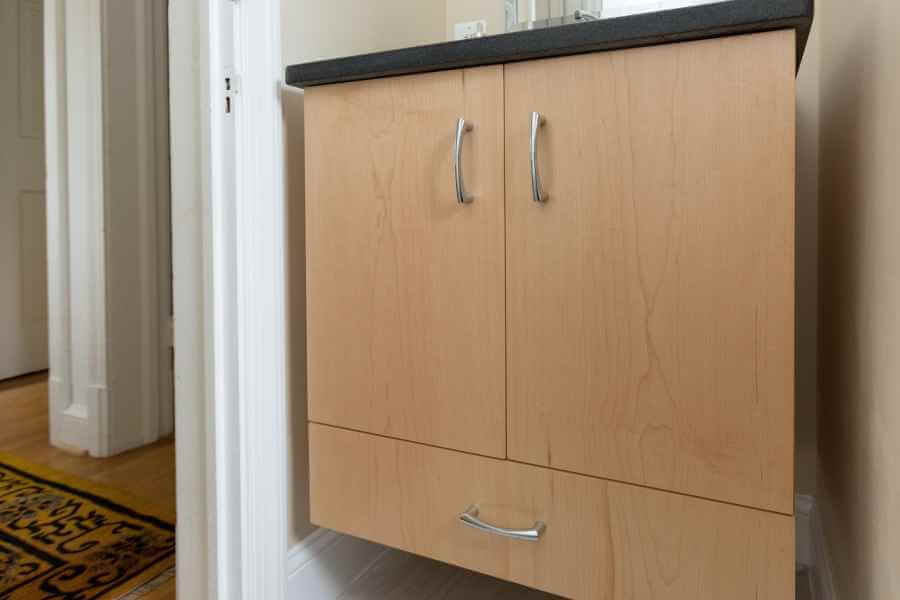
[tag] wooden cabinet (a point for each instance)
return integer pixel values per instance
(616, 360)
(405, 314)
(603, 540)
(650, 300)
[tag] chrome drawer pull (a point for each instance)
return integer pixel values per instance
(538, 194)
(470, 519)
(462, 126)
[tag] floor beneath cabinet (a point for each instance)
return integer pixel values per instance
(401, 576)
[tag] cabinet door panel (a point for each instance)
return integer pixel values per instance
(651, 299)
(405, 287)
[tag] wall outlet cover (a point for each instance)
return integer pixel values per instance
(469, 30)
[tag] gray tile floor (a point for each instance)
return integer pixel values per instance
(401, 576)
(804, 586)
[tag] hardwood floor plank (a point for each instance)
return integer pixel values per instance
(148, 472)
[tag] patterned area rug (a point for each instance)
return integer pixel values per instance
(65, 539)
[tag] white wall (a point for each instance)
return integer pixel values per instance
(136, 191)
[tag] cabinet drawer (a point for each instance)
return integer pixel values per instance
(603, 540)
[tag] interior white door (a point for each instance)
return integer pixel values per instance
(23, 222)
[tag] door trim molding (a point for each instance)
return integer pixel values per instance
(109, 364)
(194, 392)
(229, 280)
(56, 144)
(260, 278)
(73, 80)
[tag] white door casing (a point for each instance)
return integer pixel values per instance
(107, 181)
(197, 564)
(23, 259)
(228, 254)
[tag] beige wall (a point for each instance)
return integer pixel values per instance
(298, 491)
(461, 11)
(316, 29)
(859, 412)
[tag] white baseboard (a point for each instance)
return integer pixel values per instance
(325, 564)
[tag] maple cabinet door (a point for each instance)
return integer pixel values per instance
(650, 297)
(405, 284)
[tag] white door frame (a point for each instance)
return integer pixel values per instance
(107, 215)
(229, 281)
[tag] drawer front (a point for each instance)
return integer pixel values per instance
(603, 540)
(405, 284)
(650, 299)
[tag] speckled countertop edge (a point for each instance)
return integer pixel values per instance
(682, 24)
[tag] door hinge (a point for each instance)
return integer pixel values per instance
(232, 85)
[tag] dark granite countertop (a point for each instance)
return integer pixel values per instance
(681, 24)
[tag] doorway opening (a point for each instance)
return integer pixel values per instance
(87, 443)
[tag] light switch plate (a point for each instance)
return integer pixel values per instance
(469, 30)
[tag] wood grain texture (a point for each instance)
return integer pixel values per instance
(604, 540)
(651, 300)
(405, 309)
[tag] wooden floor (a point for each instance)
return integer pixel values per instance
(148, 472)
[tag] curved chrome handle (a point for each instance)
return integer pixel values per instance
(538, 194)
(462, 126)
(470, 519)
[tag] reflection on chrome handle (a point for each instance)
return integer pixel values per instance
(537, 121)
(470, 519)
(462, 126)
